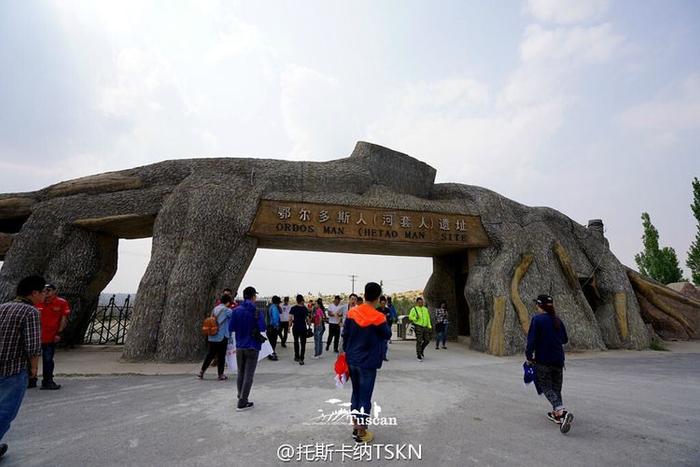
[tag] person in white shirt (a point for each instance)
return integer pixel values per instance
(334, 312)
(284, 321)
(343, 311)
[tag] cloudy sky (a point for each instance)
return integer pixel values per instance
(590, 107)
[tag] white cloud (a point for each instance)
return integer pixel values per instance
(675, 109)
(316, 112)
(566, 11)
(578, 45)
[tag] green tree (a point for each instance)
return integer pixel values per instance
(660, 264)
(693, 261)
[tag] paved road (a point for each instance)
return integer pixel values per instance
(461, 407)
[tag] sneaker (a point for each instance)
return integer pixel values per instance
(365, 437)
(301, 362)
(567, 419)
(200, 375)
(32, 383)
(554, 418)
(420, 359)
(3, 447)
(284, 345)
(246, 406)
(51, 386)
(444, 347)
(223, 377)
(316, 357)
(296, 359)
(335, 351)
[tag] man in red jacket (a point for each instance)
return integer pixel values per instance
(54, 314)
(365, 335)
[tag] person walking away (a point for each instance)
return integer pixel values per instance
(335, 314)
(420, 317)
(20, 340)
(218, 343)
(53, 312)
(365, 334)
(247, 323)
(273, 325)
(393, 315)
(545, 349)
(319, 316)
(441, 322)
(284, 321)
(384, 309)
(298, 319)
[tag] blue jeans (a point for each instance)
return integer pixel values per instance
(47, 352)
(11, 394)
(362, 380)
(441, 336)
(318, 340)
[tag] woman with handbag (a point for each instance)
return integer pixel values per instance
(298, 320)
(319, 328)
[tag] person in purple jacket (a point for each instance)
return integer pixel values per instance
(545, 350)
(246, 322)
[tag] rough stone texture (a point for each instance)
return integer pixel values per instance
(687, 289)
(200, 210)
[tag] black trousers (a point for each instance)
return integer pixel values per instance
(284, 332)
(272, 336)
(333, 335)
(218, 350)
(299, 344)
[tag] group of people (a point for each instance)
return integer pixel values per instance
(31, 326)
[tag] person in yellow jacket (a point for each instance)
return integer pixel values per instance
(420, 317)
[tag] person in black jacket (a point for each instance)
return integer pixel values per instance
(365, 335)
(545, 340)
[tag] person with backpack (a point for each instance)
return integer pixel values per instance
(273, 325)
(420, 317)
(318, 318)
(365, 334)
(216, 326)
(545, 350)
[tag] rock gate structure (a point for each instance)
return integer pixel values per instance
(491, 255)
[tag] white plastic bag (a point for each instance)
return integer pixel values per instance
(231, 363)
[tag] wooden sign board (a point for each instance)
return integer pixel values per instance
(285, 219)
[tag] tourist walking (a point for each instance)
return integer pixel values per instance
(273, 325)
(284, 321)
(365, 334)
(247, 323)
(335, 314)
(54, 312)
(20, 340)
(319, 316)
(218, 342)
(420, 317)
(384, 309)
(441, 322)
(394, 316)
(298, 320)
(545, 341)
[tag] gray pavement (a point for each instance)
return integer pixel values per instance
(460, 407)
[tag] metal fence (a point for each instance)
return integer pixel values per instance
(109, 323)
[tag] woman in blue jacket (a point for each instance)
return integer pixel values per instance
(545, 350)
